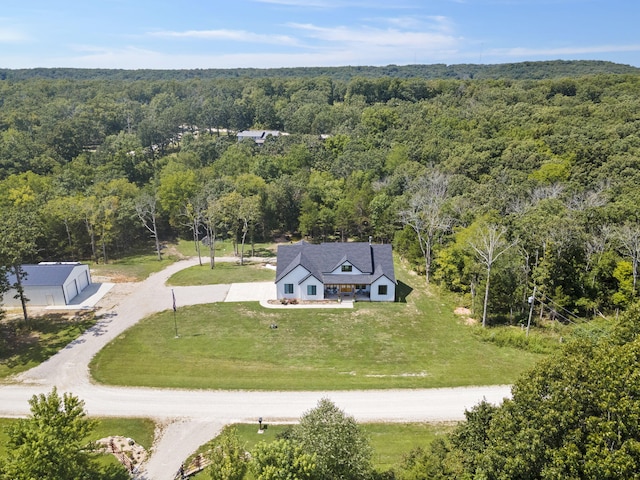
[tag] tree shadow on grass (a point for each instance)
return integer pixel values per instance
(42, 338)
(402, 292)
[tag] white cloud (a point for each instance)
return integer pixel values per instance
(553, 51)
(232, 35)
(299, 3)
(371, 37)
(137, 58)
(12, 35)
(438, 23)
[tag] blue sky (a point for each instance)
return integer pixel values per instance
(175, 34)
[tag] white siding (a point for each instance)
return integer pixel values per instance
(294, 277)
(319, 289)
(37, 295)
(391, 290)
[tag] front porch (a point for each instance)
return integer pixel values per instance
(359, 293)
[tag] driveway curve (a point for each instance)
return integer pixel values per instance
(189, 418)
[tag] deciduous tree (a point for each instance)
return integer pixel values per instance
(282, 460)
(425, 213)
(229, 460)
(51, 444)
(147, 211)
(490, 245)
(341, 447)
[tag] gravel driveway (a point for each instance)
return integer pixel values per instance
(190, 418)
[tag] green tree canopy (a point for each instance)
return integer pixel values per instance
(51, 444)
(341, 447)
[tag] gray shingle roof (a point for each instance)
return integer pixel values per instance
(44, 275)
(373, 260)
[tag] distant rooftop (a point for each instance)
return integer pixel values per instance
(259, 136)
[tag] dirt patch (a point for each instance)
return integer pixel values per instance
(466, 313)
(112, 278)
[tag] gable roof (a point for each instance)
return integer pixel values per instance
(374, 261)
(45, 275)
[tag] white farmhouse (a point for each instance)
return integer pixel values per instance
(356, 270)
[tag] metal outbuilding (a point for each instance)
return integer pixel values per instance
(50, 283)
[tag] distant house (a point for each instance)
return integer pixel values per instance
(50, 283)
(356, 270)
(258, 136)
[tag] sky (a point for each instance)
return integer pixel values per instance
(188, 34)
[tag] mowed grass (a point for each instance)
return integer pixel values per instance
(24, 346)
(139, 429)
(222, 273)
(420, 343)
(390, 441)
(132, 268)
(225, 249)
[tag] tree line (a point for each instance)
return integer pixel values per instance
(522, 70)
(548, 169)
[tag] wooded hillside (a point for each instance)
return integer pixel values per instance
(526, 182)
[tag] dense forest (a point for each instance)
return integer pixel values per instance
(523, 70)
(491, 181)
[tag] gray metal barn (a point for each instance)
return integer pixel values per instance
(49, 284)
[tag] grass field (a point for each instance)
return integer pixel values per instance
(140, 429)
(23, 347)
(390, 441)
(137, 267)
(420, 343)
(133, 268)
(222, 273)
(187, 248)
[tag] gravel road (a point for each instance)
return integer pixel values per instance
(190, 418)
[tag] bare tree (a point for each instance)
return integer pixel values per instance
(629, 238)
(147, 211)
(211, 217)
(248, 214)
(192, 212)
(425, 213)
(596, 244)
(489, 246)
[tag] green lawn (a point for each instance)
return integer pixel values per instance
(390, 441)
(137, 267)
(225, 249)
(140, 429)
(132, 268)
(222, 273)
(417, 344)
(23, 347)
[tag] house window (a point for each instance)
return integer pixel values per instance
(347, 268)
(382, 289)
(288, 288)
(311, 289)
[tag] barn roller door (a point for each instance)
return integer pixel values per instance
(83, 279)
(71, 290)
